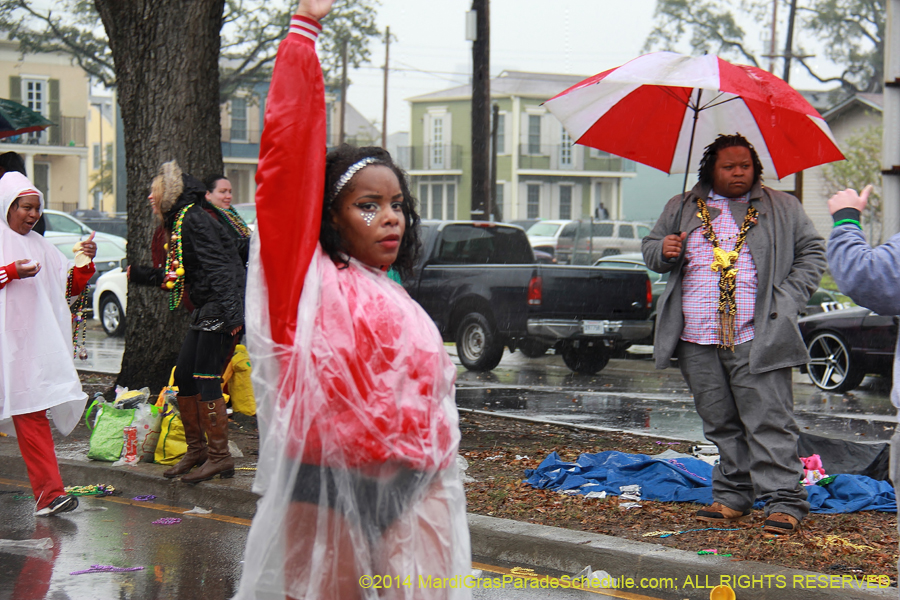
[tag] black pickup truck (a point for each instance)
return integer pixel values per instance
(480, 283)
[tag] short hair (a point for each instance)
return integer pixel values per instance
(711, 153)
(12, 161)
(337, 162)
(211, 180)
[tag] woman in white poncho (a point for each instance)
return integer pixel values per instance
(37, 371)
(355, 391)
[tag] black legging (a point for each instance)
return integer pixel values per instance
(201, 362)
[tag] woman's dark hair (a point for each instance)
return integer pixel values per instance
(708, 162)
(12, 161)
(211, 180)
(337, 162)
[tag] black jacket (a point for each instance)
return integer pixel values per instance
(214, 272)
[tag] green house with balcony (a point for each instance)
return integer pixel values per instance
(541, 173)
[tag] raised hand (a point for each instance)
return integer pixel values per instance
(849, 199)
(314, 9)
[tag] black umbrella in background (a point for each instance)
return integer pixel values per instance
(16, 119)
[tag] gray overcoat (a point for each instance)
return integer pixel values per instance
(789, 255)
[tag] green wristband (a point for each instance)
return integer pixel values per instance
(848, 221)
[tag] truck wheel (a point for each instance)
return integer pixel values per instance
(533, 348)
(478, 347)
(587, 360)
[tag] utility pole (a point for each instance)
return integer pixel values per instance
(789, 43)
(494, 208)
(890, 148)
(481, 111)
(774, 35)
(343, 91)
(387, 55)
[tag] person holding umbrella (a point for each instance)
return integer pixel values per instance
(744, 260)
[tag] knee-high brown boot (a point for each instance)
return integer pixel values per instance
(193, 435)
(214, 421)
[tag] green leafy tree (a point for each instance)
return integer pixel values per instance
(862, 167)
(250, 33)
(854, 30)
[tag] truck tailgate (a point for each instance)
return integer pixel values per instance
(587, 293)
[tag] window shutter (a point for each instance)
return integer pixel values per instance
(53, 105)
(15, 88)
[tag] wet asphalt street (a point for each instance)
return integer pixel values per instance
(137, 549)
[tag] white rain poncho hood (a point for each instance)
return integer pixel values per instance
(37, 371)
(355, 391)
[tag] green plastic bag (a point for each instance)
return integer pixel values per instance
(107, 431)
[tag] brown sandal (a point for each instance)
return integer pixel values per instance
(720, 514)
(781, 524)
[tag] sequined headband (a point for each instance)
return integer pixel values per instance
(353, 170)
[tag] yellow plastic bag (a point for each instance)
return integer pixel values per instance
(171, 445)
(237, 376)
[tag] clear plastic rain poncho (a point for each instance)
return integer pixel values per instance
(355, 391)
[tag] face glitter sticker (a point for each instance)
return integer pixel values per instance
(368, 218)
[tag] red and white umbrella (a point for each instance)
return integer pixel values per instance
(661, 109)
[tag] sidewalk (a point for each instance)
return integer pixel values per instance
(544, 549)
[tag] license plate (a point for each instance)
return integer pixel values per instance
(593, 327)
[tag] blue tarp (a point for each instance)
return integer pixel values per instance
(690, 480)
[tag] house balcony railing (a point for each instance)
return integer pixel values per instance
(69, 131)
(430, 158)
(560, 157)
(241, 136)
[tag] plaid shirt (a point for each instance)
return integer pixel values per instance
(700, 287)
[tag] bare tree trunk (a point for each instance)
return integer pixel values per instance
(166, 56)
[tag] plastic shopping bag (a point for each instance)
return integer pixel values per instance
(107, 430)
(171, 445)
(237, 374)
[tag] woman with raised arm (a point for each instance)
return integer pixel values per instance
(358, 425)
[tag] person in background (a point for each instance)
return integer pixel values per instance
(355, 392)
(13, 161)
(744, 264)
(601, 213)
(37, 371)
(870, 276)
(201, 259)
(218, 194)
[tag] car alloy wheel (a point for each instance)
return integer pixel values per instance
(831, 366)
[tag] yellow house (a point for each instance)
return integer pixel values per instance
(101, 134)
(56, 159)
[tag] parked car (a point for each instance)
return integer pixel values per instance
(248, 213)
(110, 255)
(545, 235)
(481, 285)
(110, 301)
(524, 223)
(584, 243)
(60, 223)
(847, 344)
(635, 260)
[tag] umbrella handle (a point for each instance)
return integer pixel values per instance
(688, 166)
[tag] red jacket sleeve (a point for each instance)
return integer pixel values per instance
(80, 278)
(291, 174)
(7, 274)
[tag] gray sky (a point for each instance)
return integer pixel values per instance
(580, 37)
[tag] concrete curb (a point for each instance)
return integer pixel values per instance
(531, 545)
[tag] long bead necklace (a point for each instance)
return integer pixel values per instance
(77, 308)
(726, 263)
(235, 220)
(174, 278)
